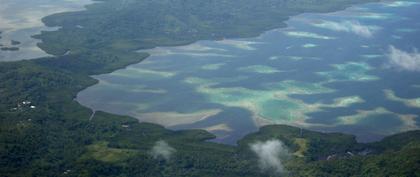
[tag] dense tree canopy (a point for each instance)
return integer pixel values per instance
(55, 136)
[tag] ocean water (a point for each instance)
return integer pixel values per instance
(354, 71)
(21, 19)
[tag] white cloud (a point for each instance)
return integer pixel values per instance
(349, 26)
(404, 60)
(162, 149)
(270, 155)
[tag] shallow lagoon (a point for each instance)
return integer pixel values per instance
(21, 19)
(328, 72)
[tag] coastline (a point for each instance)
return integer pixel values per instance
(57, 136)
(259, 121)
(142, 56)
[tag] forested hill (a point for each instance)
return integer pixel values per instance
(44, 132)
(139, 24)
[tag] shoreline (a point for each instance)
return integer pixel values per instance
(27, 21)
(259, 121)
(139, 60)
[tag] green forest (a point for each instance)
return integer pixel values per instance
(44, 132)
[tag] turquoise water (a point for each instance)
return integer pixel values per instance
(353, 71)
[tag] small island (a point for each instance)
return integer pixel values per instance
(14, 42)
(9, 48)
(12, 46)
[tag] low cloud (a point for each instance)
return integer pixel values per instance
(270, 155)
(349, 26)
(403, 60)
(162, 149)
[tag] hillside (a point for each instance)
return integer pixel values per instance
(54, 136)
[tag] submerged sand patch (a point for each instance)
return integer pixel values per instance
(261, 69)
(218, 127)
(272, 104)
(309, 45)
(408, 121)
(303, 34)
(413, 102)
(400, 4)
(239, 44)
(149, 74)
(169, 119)
(350, 71)
(214, 66)
(199, 52)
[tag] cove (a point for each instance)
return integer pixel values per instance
(327, 72)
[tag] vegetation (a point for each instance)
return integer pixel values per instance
(13, 42)
(129, 25)
(44, 132)
(334, 154)
(9, 48)
(12, 46)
